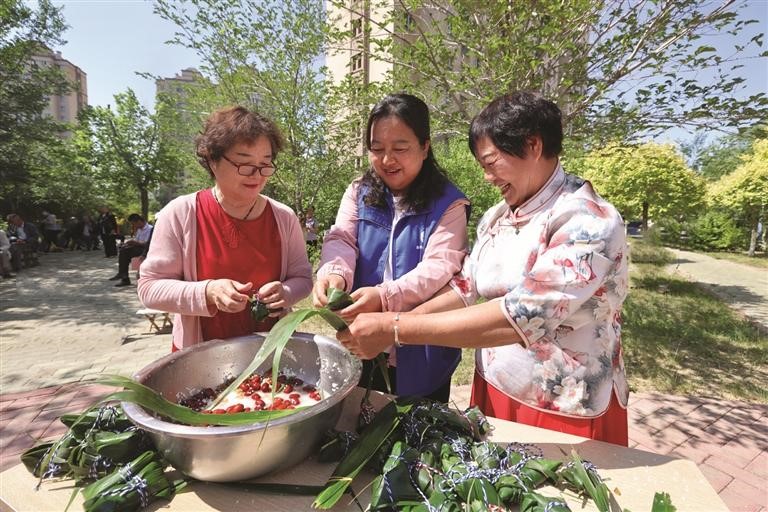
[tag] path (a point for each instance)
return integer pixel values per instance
(743, 287)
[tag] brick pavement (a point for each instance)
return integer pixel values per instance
(62, 322)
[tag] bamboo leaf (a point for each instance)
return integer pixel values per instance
(386, 421)
(662, 503)
(149, 399)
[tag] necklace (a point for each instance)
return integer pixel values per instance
(216, 197)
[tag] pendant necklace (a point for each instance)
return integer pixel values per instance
(216, 197)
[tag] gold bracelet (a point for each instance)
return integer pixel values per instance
(397, 333)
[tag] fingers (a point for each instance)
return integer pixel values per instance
(319, 293)
(226, 296)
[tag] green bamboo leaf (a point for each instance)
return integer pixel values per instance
(338, 299)
(386, 421)
(149, 399)
(662, 503)
(587, 482)
(275, 342)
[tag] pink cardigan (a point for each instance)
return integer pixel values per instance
(169, 273)
(445, 251)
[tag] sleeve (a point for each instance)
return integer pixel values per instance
(575, 260)
(443, 256)
(297, 282)
(339, 254)
(162, 285)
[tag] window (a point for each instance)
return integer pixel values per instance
(357, 62)
(357, 28)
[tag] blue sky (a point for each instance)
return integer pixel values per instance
(112, 40)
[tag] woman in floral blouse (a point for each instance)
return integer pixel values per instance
(550, 260)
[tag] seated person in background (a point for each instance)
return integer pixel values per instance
(5, 255)
(142, 231)
(25, 240)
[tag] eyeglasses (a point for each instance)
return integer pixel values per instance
(250, 170)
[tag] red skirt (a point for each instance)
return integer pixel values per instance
(610, 427)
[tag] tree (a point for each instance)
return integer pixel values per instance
(265, 55)
(647, 181)
(461, 167)
(745, 190)
(723, 155)
(127, 149)
(24, 87)
(618, 69)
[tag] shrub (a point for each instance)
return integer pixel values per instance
(642, 251)
(715, 230)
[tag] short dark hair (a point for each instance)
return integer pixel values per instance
(135, 217)
(511, 119)
(430, 182)
(232, 125)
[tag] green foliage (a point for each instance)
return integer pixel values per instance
(128, 152)
(455, 157)
(650, 181)
(716, 230)
(643, 252)
(724, 155)
(269, 63)
(618, 69)
(25, 134)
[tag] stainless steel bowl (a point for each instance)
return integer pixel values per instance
(223, 454)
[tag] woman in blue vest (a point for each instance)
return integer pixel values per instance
(400, 235)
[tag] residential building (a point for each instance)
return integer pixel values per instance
(64, 108)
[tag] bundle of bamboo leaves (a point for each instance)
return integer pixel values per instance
(99, 449)
(431, 458)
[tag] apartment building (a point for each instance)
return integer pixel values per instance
(64, 108)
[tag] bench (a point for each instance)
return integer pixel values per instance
(154, 316)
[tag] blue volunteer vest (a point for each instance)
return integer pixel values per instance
(421, 369)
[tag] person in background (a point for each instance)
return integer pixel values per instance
(400, 235)
(24, 238)
(213, 250)
(51, 232)
(135, 247)
(5, 256)
(551, 262)
(107, 230)
(310, 227)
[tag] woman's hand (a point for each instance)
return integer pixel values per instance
(273, 295)
(367, 300)
(369, 334)
(227, 295)
(320, 290)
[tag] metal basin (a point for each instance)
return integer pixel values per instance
(223, 454)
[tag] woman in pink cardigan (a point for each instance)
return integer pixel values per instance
(214, 249)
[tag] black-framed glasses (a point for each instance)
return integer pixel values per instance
(250, 170)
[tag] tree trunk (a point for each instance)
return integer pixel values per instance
(144, 202)
(645, 216)
(753, 240)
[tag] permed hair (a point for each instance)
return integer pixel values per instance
(232, 125)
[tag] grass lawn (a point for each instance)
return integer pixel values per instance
(759, 260)
(678, 339)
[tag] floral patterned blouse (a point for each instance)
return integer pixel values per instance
(558, 267)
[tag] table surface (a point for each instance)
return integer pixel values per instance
(633, 475)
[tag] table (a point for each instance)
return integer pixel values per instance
(635, 474)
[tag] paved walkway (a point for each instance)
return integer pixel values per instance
(63, 321)
(745, 288)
